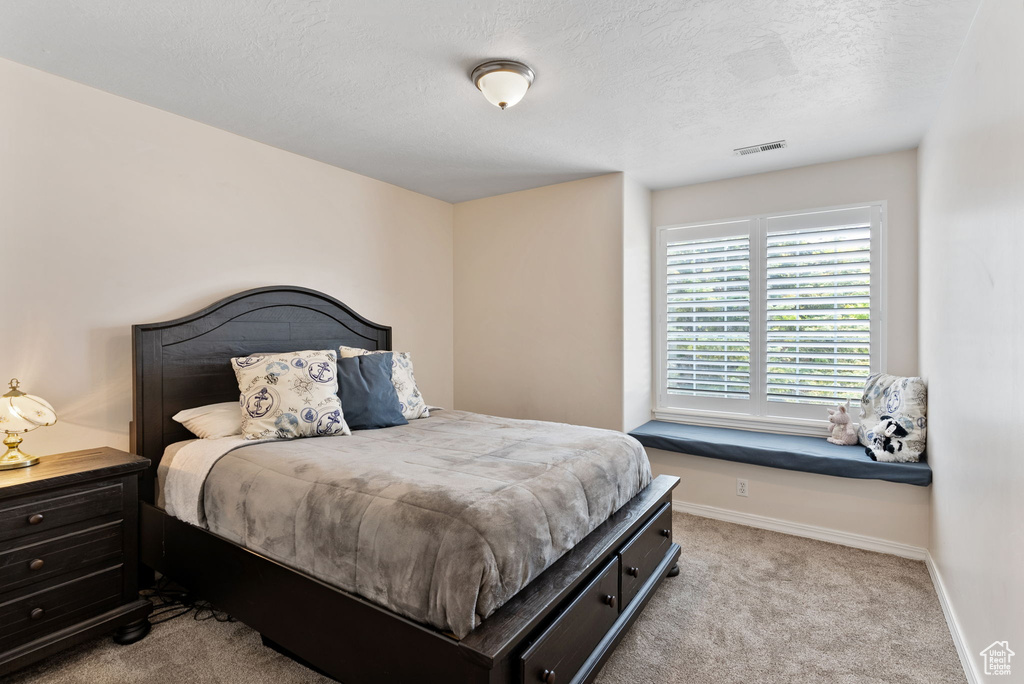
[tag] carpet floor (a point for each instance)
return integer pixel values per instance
(749, 606)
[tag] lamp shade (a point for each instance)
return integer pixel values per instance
(20, 412)
(503, 83)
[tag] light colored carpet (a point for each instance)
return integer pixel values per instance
(749, 606)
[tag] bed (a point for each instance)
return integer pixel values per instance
(573, 541)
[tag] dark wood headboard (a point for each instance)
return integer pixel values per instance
(184, 363)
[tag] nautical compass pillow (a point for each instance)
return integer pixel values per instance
(285, 396)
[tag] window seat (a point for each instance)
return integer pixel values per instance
(790, 452)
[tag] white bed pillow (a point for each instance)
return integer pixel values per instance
(290, 395)
(402, 378)
(213, 420)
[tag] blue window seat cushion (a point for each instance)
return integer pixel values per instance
(790, 452)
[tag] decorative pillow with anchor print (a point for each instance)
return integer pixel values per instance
(290, 395)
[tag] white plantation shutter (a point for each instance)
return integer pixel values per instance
(708, 317)
(818, 307)
(767, 319)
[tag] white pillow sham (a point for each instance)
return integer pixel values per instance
(213, 420)
(402, 378)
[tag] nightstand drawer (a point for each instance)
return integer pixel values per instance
(31, 514)
(32, 561)
(32, 613)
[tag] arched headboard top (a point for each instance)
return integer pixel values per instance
(184, 363)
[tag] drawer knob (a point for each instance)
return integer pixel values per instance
(609, 600)
(633, 572)
(37, 564)
(548, 676)
(36, 613)
(35, 519)
(666, 533)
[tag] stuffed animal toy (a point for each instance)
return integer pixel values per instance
(843, 431)
(887, 442)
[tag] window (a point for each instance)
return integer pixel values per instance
(763, 320)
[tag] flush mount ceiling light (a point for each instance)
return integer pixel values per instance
(503, 82)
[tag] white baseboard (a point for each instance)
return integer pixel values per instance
(857, 541)
(966, 661)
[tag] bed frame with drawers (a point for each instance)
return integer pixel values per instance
(559, 628)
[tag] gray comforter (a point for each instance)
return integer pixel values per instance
(442, 520)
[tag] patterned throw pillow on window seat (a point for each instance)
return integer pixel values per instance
(905, 400)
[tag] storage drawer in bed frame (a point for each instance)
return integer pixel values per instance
(641, 555)
(564, 646)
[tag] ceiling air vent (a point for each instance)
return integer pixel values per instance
(763, 147)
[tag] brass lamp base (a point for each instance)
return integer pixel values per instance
(15, 457)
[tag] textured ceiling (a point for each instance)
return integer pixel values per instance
(660, 89)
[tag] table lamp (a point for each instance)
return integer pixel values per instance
(20, 413)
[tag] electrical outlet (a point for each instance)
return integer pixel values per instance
(741, 487)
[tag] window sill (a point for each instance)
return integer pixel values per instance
(743, 421)
(789, 452)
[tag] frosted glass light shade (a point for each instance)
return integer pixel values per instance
(503, 83)
(20, 412)
(503, 88)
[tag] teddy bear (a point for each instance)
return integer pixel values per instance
(887, 442)
(843, 431)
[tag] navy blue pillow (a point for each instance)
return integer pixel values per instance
(368, 399)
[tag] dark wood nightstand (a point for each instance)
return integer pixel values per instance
(69, 529)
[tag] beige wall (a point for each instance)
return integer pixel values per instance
(114, 213)
(972, 332)
(872, 508)
(891, 177)
(637, 340)
(538, 303)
